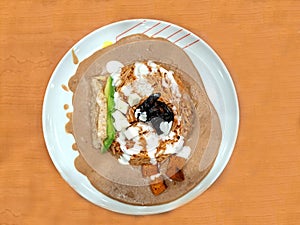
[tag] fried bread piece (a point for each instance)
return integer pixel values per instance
(158, 185)
(149, 170)
(174, 168)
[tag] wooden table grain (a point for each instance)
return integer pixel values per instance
(259, 41)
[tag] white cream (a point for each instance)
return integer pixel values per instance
(142, 87)
(145, 128)
(153, 177)
(124, 159)
(127, 153)
(137, 113)
(174, 85)
(153, 160)
(164, 83)
(163, 71)
(134, 150)
(175, 147)
(153, 66)
(152, 140)
(169, 81)
(170, 136)
(137, 147)
(143, 117)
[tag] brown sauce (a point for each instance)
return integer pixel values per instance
(68, 126)
(65, 87)
(74, 146)
(74, 57)
(66, 106)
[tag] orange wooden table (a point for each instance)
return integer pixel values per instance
(259, 41)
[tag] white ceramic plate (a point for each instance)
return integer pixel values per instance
(214, 74)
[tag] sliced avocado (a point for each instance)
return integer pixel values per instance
(110, 134)
(109, 92)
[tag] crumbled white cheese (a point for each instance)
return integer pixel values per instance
(116, 79)
(185, 152)
(121, 139)
(116, 95)
(121, 105)
(114, 66)
(120, 120)
(140, 69)
(131, 132)
(134, 99)
(126, 89)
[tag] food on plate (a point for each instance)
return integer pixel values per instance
(143, 124)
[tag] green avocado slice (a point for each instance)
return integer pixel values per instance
(109, 92)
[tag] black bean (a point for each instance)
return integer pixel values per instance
(156, 109)
(149, 102)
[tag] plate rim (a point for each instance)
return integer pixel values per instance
(165, 207)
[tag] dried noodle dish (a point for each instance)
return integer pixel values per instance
(144, 126)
